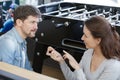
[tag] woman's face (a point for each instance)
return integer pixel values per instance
(89, 40)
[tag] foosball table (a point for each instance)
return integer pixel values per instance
(62, 27)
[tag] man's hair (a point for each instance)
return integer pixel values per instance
(23, 11)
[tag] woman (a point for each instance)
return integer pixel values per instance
(101, 60)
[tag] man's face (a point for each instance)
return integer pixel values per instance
(30, 26)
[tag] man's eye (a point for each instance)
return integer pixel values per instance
(33, 22)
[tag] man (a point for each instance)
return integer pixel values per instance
(13, 43)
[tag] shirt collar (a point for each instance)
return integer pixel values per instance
(18, 37)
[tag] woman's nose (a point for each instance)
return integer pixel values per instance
(82, 38)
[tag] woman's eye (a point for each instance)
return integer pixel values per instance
(85, 35)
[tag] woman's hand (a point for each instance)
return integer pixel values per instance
(57, 57)
(54, 54)
(72, 61)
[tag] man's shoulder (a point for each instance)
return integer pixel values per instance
(7, 45)
(7, 39)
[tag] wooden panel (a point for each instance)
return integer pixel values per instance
(23, 72)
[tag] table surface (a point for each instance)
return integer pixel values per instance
(31, 75)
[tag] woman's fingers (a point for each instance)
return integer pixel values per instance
(49, 51)
(65, 52)
(66, 55)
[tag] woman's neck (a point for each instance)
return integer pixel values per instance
(98, 53)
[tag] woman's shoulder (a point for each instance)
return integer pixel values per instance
(113, 61)
(88, 52)
(113, 64)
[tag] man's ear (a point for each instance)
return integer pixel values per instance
(19, 22)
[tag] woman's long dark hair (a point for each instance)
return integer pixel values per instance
(110, 40)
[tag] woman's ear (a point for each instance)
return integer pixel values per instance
(98, 40)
